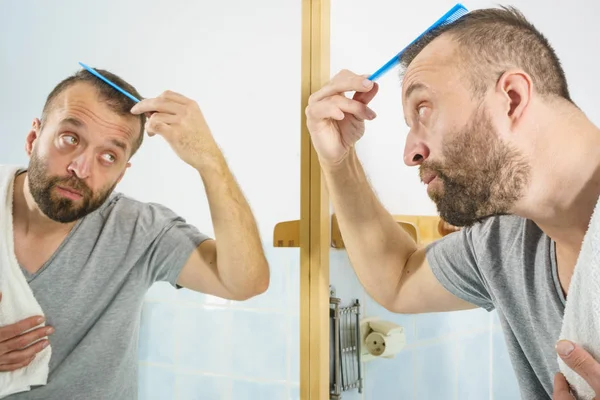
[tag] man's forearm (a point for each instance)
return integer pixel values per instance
(241, 262)
(377, 246)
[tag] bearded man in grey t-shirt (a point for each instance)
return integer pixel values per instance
(507, 155)
(90, 254)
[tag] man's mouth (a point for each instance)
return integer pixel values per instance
(427, 178)
(69, 193)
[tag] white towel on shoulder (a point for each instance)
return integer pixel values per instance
(18, 301)
(581, 322)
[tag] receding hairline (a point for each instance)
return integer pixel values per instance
(457, 58)
(450, 60)
(54, 103)
(491, 41)
(116, 101)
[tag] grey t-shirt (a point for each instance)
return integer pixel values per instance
(92, 290)
(507, 263)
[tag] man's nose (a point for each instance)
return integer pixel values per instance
(415, 151)
(81, 166)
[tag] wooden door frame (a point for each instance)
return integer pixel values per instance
(314, 215)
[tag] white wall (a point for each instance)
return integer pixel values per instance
(459, 355)
(240, 60)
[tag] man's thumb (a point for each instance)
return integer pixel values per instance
(581, 362)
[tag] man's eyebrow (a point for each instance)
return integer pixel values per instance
(414, 87)
(73, 121)
(119, 144)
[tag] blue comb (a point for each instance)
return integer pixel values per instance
(94, 72)
(452, 15)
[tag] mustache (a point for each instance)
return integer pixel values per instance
(448, 170)
(72, 182)
(431, 168)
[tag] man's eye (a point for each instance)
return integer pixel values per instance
(109, 158)
(70, 139)
(422, 111)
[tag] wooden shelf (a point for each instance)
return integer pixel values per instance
(287, 234)
(424, 229)
(428, 226)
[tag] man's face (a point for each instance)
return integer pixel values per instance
(80, 155)
(470, 171)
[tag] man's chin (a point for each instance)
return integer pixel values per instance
(63, 219)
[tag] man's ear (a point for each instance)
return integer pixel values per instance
(33, 136)
(515, 88)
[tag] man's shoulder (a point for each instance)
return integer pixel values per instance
(126, 210)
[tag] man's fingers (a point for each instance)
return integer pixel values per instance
(25, 340)
(176, 97)
(334, 107)
(562, 391)
(19, 356)
(163, 118)
(157, 104)
(14, 367)
(14, 330)
(344, 81)
(366, 97)
(581, 362)
(157, 126)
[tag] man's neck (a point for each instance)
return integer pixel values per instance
(28, 216)
(565, 181)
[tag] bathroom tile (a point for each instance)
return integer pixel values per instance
(294, 392)
(495, 319)
(435, 371)
(248, 390)
(294, 348)
(157, 333)
(373, 309)
(202, 387)
(504, 380)
(343, 278)
(276, 297)
(390, 378)
(161, 291)
(189, 296)
(155, 383)
(436, 325)
(205, 339)
(474, 365)
(259, 345)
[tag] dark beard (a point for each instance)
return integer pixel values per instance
(480, 177)
(61, 209)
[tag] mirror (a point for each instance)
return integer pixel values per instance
(240, 61)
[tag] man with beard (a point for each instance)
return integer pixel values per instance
(89, 254)
(506, 155)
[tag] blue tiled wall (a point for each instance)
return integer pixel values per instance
(194, 346)
(454, 356)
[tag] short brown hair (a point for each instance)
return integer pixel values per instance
(493, 40)
(114, 99)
